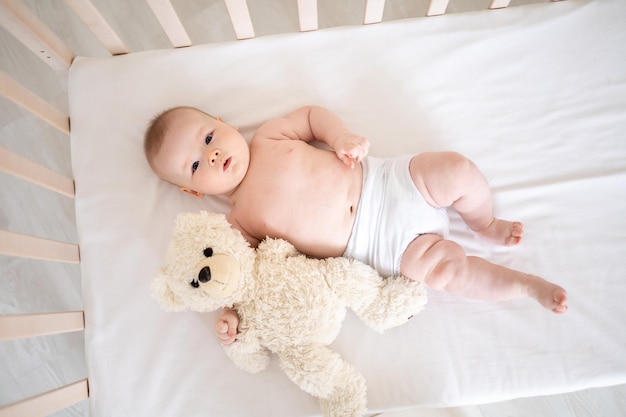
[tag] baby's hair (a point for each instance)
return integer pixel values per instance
(157, 130)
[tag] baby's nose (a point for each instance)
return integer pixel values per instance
(213, 156)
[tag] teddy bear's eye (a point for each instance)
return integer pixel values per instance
(194, 283)
(208, 252)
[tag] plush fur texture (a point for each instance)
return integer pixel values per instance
(288, 304)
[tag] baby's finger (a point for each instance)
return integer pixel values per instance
(346, 159)
(228, 342)
(229, 325)
(359, 153)
(226, 338)
(221, 326)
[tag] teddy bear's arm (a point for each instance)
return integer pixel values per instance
(247, 353)
(381, 303)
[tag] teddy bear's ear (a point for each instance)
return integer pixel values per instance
(162, 292)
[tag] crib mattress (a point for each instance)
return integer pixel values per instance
(535, 95)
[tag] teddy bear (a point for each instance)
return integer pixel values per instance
(288, 304)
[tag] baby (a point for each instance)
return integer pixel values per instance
(388, 213)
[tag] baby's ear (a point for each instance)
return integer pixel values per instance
(162, 292)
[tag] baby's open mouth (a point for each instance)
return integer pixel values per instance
(226, 163)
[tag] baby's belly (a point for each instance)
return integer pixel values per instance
(304, 195)
(318, 230)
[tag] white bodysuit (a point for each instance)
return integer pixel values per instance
(390, 215)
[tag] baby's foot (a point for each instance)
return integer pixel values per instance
(549, 295)
(503, 232)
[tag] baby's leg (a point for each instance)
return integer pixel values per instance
(448, 179)
(442, 265)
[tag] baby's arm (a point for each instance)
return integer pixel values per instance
(226, 326)
(312, 123)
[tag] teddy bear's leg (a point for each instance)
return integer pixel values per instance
(348, 398)
(323, 373)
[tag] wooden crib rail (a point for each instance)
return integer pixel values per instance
(437, 7)
(98, 25)
(240, 18)
(21, 326)
(25, 246)
(18, 166)
(499, 4)
(21, 167)
(170, 22)
(32, 32)
(48, 402)
(28, 100)
(373, 11)
(307, 14)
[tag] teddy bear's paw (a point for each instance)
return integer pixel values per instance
(398, 300)
(276, 250)
(251, 359)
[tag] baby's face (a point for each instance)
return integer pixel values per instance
(202, 154)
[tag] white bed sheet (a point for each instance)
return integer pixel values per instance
(535, 95)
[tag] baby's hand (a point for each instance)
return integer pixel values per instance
(226, 326)
(351, 148)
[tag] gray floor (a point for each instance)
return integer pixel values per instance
(31, 366)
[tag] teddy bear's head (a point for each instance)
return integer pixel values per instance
(206, 264)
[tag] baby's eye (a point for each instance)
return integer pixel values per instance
(194, 166)
(208, 138)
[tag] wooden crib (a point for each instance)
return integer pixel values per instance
(42, 114)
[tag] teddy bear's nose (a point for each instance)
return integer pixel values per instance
(205, 274)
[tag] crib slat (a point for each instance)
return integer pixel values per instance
(48, 402)
(240, 18)
(169, 20)
(437, 7)
(28, 170)
(373, 11)
(307, 14)
(98, 25)
(25, 98)
(16, 244)
(499, 4)
(21, 326)
(32, 32)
